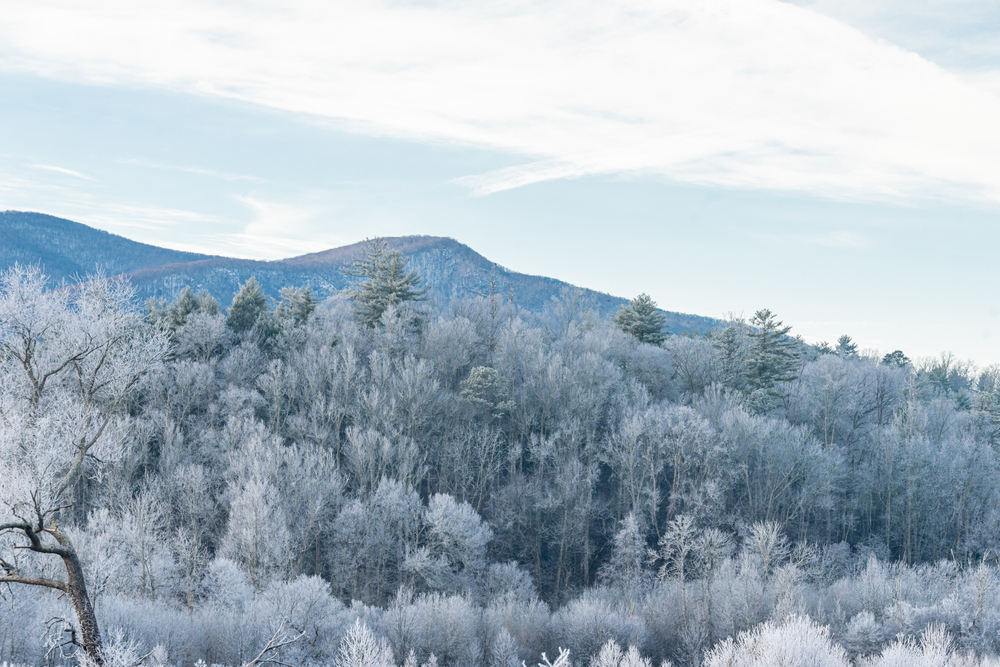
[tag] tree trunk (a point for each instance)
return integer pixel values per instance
(76, 588)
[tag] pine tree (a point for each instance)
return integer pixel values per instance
(732, 345)
(896, 358)
(173, 316)
(846, 347)
(642, 319)
(249, 304)
(774, 354)
(386, 282)
(296, 303)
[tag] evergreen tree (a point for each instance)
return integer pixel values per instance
(173, 316)
(296, 303)
(642, 319)
(846, 347)
(732, 346)
(824, 347)
(386, 282)
(774, 354)
(249, 304)
(185, 304)
(896, 358)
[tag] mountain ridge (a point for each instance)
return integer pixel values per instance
(451, 268)
(65, 248)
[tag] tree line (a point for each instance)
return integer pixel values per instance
(289, 469)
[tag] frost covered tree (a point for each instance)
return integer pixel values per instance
(846, 347)
(611, 655)
(70, 360)
(774, 354)
(385, 282)
(296, 304)
(642, 319)
(453, 557)
(628, 568)
(257, 536)
(797, 641)
(361, 648)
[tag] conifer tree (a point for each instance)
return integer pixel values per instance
(896, 358)
(249, 304)
(846, 347)
(642, 319)
(296, 303)
(386, 282)
(774, 354)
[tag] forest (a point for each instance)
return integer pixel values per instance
(383, 479)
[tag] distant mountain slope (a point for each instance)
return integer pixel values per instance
(449, 267)
(66, 249)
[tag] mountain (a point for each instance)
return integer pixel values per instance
(452, 269)
(66, 249)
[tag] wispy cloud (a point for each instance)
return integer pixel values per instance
(283, 229)
(212, 173)
(61, 170)
(736, 93)
(960, 34)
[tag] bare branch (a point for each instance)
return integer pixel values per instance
(15, 578)
(276, 642)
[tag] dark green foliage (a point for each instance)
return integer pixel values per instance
(385, 282)
(175, 315)
(486, 390)
(824, 348)
(249, 304)
(732, 346)
(774, 355)
(297, 304)
(642, 319)
(896, 358)
(846, 347)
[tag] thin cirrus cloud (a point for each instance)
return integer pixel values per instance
(226, 176)
(733, 93)
(61, 170)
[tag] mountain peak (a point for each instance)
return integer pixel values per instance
(452, 269)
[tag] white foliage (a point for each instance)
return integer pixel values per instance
(68, 360)
(611, 655)
(257, 536)
(935, 649)
(798, 641)
(361, 648)
(227, 584)
(454, 556)
(305, 606)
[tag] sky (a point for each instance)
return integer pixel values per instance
(835, 161)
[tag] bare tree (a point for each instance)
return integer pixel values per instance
(69, 360)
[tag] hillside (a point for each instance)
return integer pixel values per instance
(452, 269)
(66, 249)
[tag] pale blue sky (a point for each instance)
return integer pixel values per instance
(837, 162)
